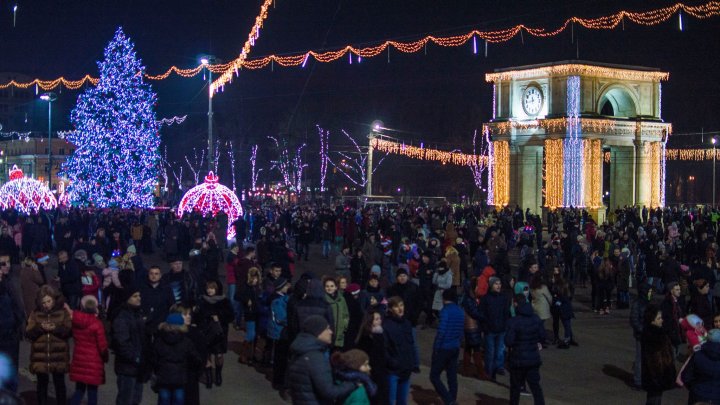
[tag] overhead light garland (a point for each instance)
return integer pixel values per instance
(646, 18)
(211, 198)
(578, 69)
(414, 152)
(236, 64)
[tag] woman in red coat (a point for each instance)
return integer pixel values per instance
(90, 352)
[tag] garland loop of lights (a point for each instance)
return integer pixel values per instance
(233, 66)
(25, 194)
(646, 18)
(414, 152)
(210, 198)
(609, 22)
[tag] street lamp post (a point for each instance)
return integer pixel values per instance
(206, 61)
(714, 159)
(49, 97)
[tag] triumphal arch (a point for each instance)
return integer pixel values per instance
(576, 133)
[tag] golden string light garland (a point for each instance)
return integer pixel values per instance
(647, 18)
(553, 173)
(501, 173)
(592, 162)
(414, 152)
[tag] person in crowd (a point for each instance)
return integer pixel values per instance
(637, 321)
(606, 276)
(473, 361)
(701, 302)
(199, 341)
(248, 296)
(214, 316)
(701, 376)
(308, 299)
(355, 314)
(341, 316)
(542, 300)
(90, 351)
(372, 297)
(277, 331)
(411, 298)
(695, 332)
(354, 366)
(32, 277)
(183, 283)
(310, 377)
(130, 345)
(342, 263)
(425, 275)
(658, 359)
(495, 312)
(173, 355)
(359, 269)
(672, 309)
(443, 279)
(157, 298)
(12, 320)
(400, 343)
(446, 347)
(69, 277)
(49, 328)
(524, 337)
(231, 262)
(371, 340)
(562, 312)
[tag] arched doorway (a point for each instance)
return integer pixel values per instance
(617, 102)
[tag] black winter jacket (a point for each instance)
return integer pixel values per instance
(410, 293)
(524, 332)
(174, 354)
(309, 375)
(155, 303)
(658, 363)
(495, 311)
(128, 340)
(399, 344)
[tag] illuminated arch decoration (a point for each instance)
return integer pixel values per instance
(25, 194)
(210, 198)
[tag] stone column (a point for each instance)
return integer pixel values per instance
(621, 176)
(642, 152)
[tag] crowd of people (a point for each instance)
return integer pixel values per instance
(346, 332)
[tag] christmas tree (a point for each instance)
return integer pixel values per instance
(116, 135)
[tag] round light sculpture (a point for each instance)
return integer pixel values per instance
(210, 198)
(25, 194)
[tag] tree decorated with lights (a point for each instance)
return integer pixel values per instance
(115, 163)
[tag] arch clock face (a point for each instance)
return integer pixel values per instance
(532, 100)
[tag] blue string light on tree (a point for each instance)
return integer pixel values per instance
(24, 194)
(115, 163)
(209, 199)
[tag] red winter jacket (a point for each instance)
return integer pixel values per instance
(90, 350)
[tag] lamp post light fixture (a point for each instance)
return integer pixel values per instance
(206, 61)
(49, 97)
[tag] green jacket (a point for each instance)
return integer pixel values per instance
(358, 397)
(341, 318)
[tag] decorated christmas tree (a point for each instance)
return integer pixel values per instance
(116, 135)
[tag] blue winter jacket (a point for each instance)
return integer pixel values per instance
(278, 317)
(702, 374)
(451, 327)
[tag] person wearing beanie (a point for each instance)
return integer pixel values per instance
(174, 353)
(352, 300)
(277, 331)
(372, 296)
(182, 283)
(495, 310)
(524, 337)
(310, 377)
(446, 348)
(425, 274)
(130, 346)
(354, 366)
(90, 351)
(700, 375)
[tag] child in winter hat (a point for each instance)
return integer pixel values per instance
(354, 366)
(694, 331)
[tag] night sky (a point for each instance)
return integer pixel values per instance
(439, 96)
